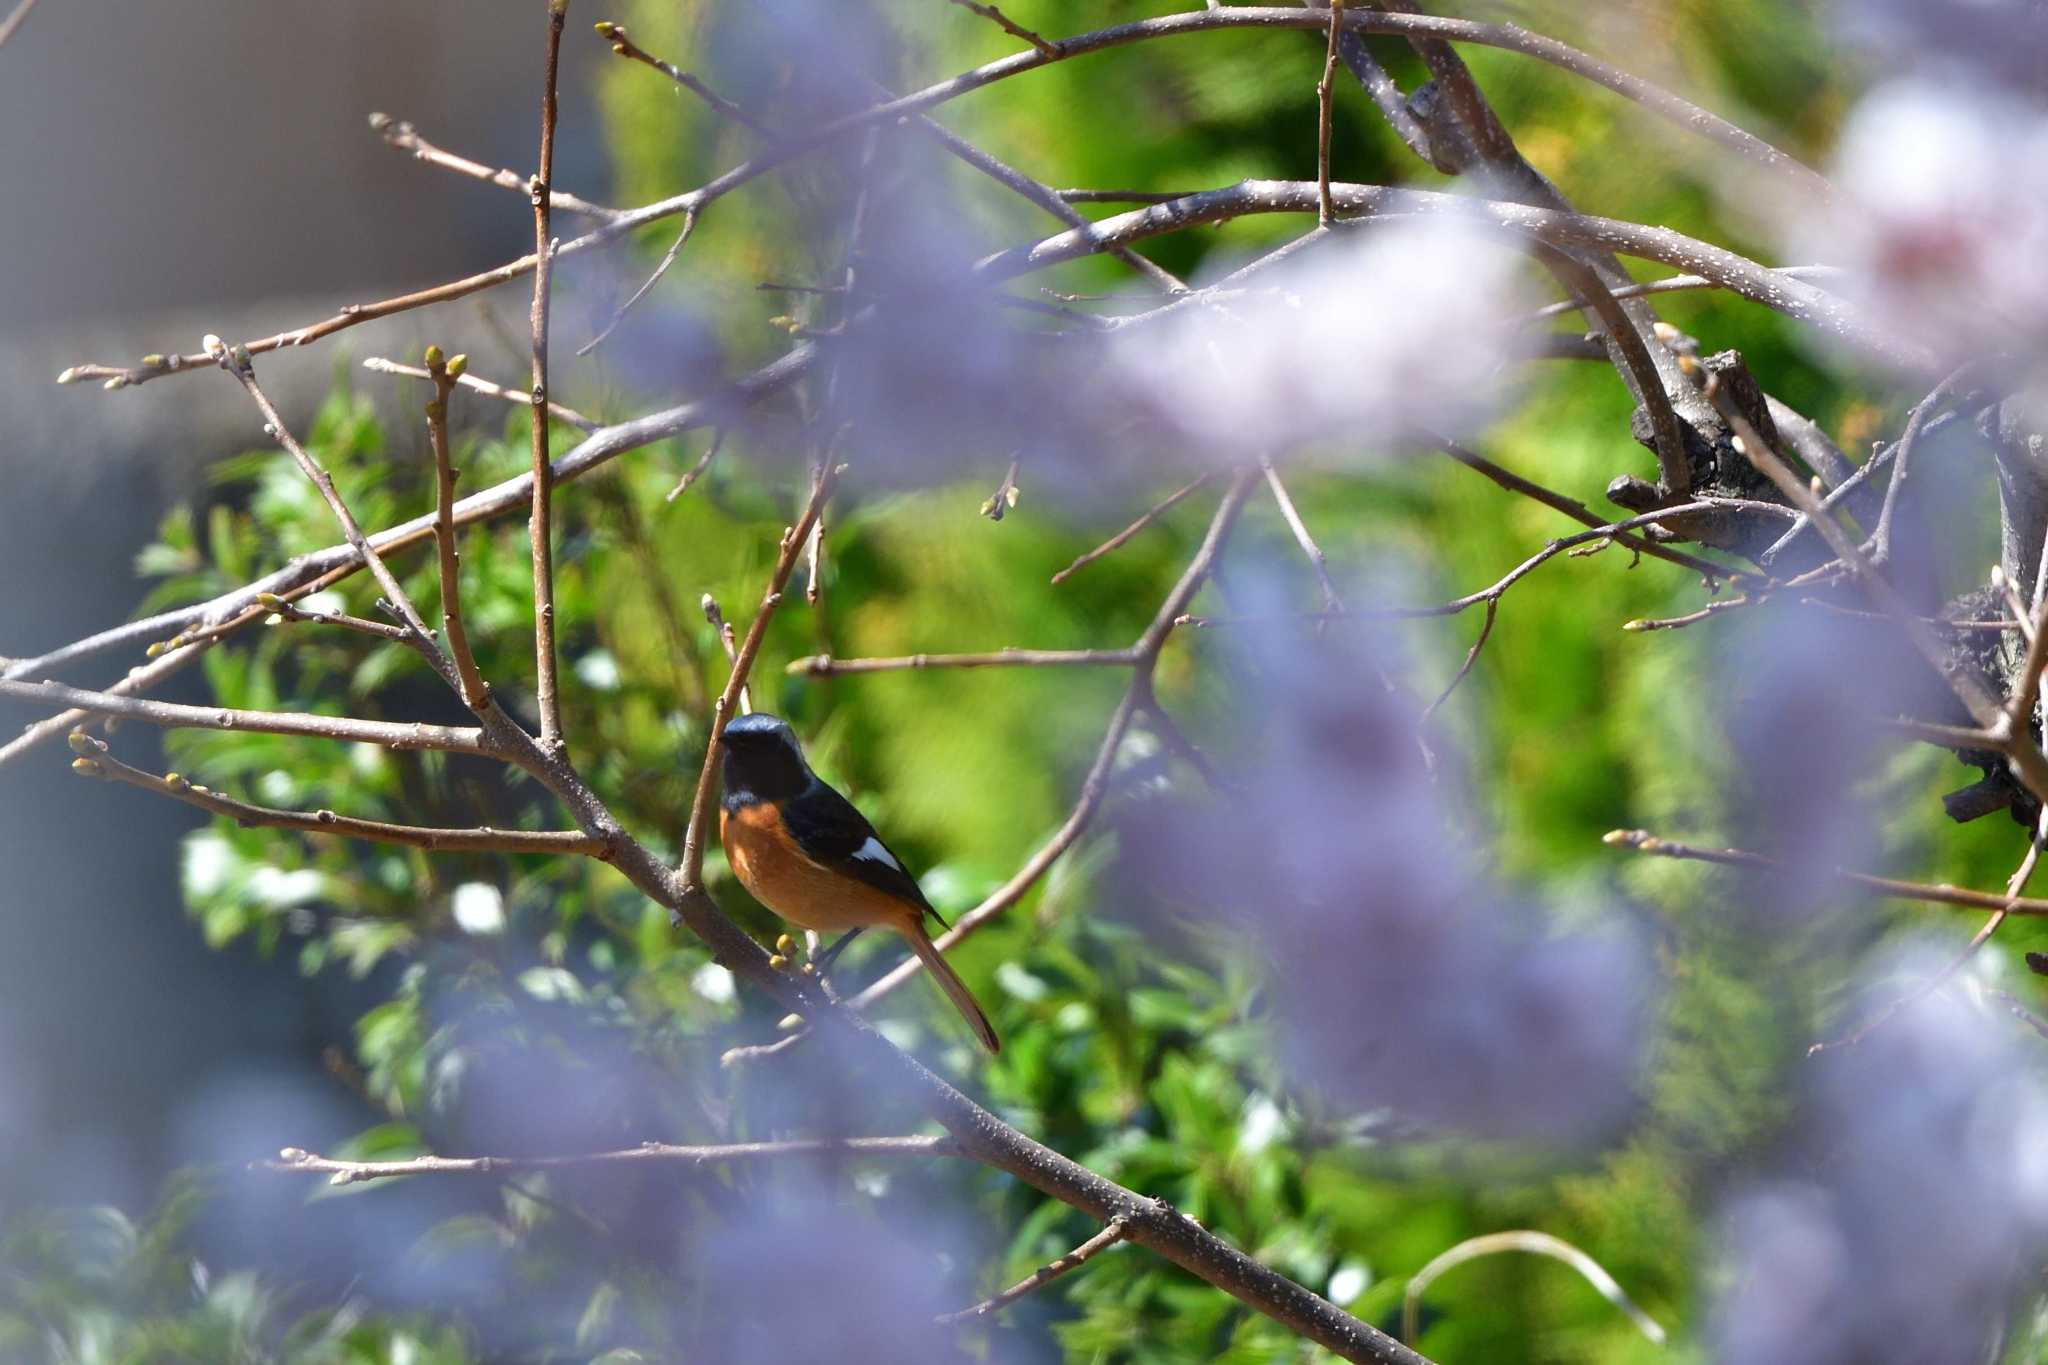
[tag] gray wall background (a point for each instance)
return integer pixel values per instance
(171, 169)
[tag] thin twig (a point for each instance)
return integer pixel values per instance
(1902, 454)
(1642, 841)
(96, 761)
(475, 692)
(1471, 657)
(1152, 514)
(1111, 1234)
(1674, 284)
(546, 687)
(624, 46)
(696, 471)
(1015, 30)
(668, 258)
(176, 716)
(1332, 601)
(237, 363)
(1363, 21)
(343, 1172)
(726, 638)
(1360, 203)
(825, 666)
(2027, 761)
(402, 136)
(814, 562)
(1325, 89)
(290, 611)
(2013, 886)
(692, 871)
(1637, 366)
(238, 608)
(13, 21)
(560, 412)
(1579, 512)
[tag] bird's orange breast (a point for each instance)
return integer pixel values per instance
(780, 875)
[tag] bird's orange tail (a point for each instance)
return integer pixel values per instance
(955, 989)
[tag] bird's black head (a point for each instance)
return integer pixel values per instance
(762, 761)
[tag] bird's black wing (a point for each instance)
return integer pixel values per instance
(828, 828)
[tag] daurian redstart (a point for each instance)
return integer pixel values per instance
(802, 850)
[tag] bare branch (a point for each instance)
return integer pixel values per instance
(558, 411)
(1642, 841)
(2013, 886)
(236, 362)
(1015, 30)
(1332, 600)
(825, 666)
(546, 685)
(290, 612)
(1738, 274)
(723, 627)
(402, 136)
(696, 471)
(1152, 514)
(624, 46)
(13, 20)
(793, 539)
(342, 1172)
(97, 761)
(1325, 89)
(1674, 284)
(475, 691)
(1111, 1234)
(1579, 512)
(175, 716)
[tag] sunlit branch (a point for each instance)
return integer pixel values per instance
(560, 412)
(96, 761)
(402, 136)
(176, 716)
(444, 374)
(1151, 514)
(1642, 841)
(540, 528)
(343, 1172)
(824, 665)
(1111, 1234)
(1730, 271)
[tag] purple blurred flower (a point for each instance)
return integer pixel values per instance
(1916, 1209)
(815, 1272)
(1404, 978)
(1942, 216)
(1383, 329)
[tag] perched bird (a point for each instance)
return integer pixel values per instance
(802, 850)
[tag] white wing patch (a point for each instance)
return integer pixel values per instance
(873, 851)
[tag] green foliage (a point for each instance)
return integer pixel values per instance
(94, 1287)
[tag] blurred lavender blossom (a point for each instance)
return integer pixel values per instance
(1942, 218)
(1914, 1208)
(1404, 978)
(1385, 329)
